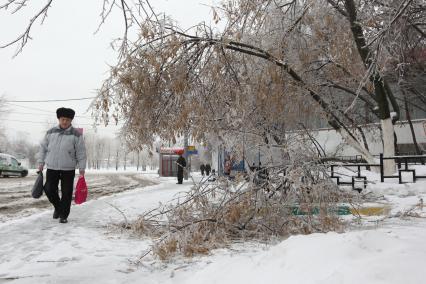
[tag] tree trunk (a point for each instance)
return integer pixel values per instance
(388, 145)
(109, 157)
(116, 162)
(125, 160)
(381, 90)
(137, 167)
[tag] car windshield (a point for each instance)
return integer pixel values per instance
(14, 162)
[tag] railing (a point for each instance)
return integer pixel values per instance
(354, 179)
(402, 161)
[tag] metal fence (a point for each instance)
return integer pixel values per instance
(403, 163)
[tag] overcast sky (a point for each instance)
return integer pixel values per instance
(67, 60)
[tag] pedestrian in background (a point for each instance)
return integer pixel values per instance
(181, 163)
(208, 169)
(61, 151)
(227, 166)
(202, 168)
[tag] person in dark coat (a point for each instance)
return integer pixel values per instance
(208, 169)
(181, 163)
(202, 168)
(227, 166)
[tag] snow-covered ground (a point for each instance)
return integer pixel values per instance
(37, 249)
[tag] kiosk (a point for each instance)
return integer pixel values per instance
(168, 158)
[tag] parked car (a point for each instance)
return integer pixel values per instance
(9, 166)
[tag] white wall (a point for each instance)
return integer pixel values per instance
(333, 144)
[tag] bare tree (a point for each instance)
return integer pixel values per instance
(368, 42)
(183, 75)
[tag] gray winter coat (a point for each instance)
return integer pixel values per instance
(63, 149)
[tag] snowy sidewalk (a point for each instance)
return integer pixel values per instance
(37, 249)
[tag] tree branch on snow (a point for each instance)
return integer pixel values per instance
(213, 214)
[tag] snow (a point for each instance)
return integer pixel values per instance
(37, 249)
(376, 256)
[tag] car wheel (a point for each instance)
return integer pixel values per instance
(24, 173)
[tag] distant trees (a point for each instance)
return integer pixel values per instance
(21, 147)
(24, 148)
(112, 153)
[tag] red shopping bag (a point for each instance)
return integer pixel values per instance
(80, 191)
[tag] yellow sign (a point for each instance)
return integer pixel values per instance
(371, 211)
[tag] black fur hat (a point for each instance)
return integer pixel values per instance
(65, 112)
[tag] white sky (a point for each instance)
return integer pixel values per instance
(67, 60)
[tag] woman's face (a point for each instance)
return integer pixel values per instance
(64, 122)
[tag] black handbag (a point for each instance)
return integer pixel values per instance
(38, 187)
